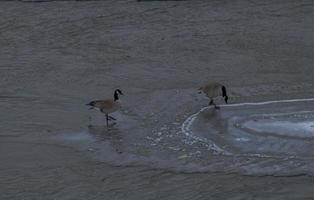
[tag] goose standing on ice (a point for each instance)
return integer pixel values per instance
(212, 90)
(107, 106)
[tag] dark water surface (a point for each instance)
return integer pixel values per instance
(56, 56)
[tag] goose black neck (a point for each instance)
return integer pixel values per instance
(116, 96)
(224, 91)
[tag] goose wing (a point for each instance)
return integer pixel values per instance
(212, 89)
(102, 104)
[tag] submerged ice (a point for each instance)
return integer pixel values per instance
(282, 128)
(277, 138)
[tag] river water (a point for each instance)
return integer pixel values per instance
(56, 56)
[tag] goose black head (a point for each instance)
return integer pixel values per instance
(116, 94)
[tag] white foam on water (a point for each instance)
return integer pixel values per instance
(186, 129)
(242, 139)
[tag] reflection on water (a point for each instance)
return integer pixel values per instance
(103, 134)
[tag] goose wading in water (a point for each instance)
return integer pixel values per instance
(212, 90)
(107, 106)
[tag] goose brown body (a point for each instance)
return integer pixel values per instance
(106, 106)
(214, 89)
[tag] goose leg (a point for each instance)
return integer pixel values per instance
(212, 103)
(107, 119)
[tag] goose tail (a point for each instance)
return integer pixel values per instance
(92, 103)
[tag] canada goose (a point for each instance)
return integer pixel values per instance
(107, 106)
(214, 89)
